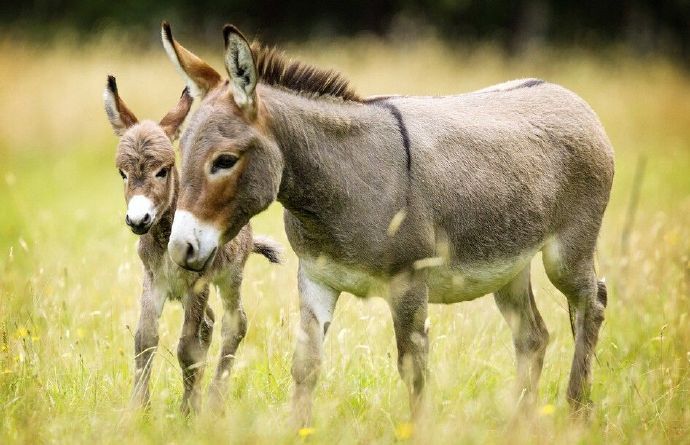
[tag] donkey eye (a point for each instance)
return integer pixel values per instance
(162, 173)
(124, 176)
(223, 162)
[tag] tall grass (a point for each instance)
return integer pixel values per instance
(69, 275)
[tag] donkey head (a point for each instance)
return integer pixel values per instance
(231, 165)
(145, 158)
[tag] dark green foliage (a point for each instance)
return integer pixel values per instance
(645, 25)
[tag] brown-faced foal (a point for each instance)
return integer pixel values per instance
(146, 162)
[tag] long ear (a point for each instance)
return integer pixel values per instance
(241, 67)
(120, 117)
(199, 75)
(171, 122)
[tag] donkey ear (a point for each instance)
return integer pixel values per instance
(200, 77)
(120, 117)
(172, 121)
(239, 62)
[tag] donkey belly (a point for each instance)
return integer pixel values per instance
(466, 282)
(446, 285)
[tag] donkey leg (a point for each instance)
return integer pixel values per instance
(233, 331)
(192, 348)
(317, 303)
(530, 336)
(146, 341)
(572, 272)
(409, 300)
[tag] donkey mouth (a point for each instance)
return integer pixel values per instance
(204, 266)
(140, 230)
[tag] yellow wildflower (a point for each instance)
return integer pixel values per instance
(547, 410)
(21, 332)
(404, 431)
(305, 432)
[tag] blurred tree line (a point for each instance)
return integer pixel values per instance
(645, 25)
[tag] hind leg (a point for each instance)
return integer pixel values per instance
(530, 336)
(570, 267)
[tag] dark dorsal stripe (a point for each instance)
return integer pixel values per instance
(528, 84)
(532, 83)
(383, 102)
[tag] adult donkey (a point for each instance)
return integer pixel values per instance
(416, 199)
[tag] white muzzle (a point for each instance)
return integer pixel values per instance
(193, 243)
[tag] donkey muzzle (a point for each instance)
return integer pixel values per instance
(193, 243)
(140, 214)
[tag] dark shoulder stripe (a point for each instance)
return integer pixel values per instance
(382, 102)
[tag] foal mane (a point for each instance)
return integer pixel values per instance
(275, 68)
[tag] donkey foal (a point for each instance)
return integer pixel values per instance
(146, 162)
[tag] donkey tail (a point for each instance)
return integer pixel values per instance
(571, 315)
(267, 247)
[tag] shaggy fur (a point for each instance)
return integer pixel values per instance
(275, 68)
(144, 151)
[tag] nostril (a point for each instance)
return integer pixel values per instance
(147, 219)
(190, 251)
(127, 220)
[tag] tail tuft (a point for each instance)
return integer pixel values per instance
(602, 298)
(601, 293)
(269, 248)
(571, 317)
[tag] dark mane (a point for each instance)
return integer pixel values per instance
(275, 68)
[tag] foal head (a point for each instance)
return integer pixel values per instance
(231, 165)
(145, 158)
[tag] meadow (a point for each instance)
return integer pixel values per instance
(70, 276)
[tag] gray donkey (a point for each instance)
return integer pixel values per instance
(415, 199)
(146, 161)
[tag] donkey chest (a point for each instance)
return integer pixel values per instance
(171, 280)
(345, 278)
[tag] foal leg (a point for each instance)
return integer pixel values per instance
(146, 340)
(193, 346)
(408, 301)
(530, 337)
(572, 271)
(317, 303)
(233, 331)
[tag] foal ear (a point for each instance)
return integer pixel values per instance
(239, 62)
(200, 77)
(171, 122)
(120, 117)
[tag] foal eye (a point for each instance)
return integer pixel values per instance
(223, 162)
(162, 173)
(124, 176)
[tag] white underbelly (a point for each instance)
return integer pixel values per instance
(446, 285)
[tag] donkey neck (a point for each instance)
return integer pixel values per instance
(337, 146)
(345, 172)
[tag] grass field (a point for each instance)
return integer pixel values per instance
(70, 277)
